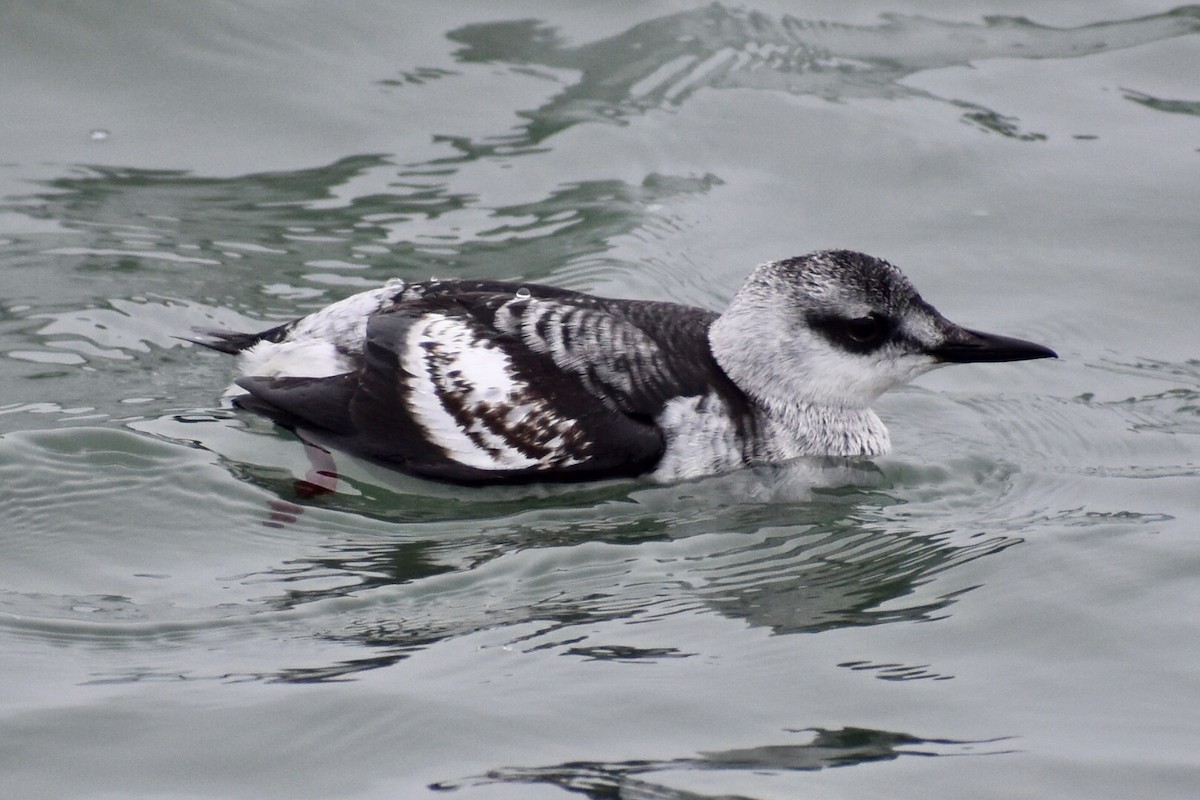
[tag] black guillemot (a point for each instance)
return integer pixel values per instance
(491, 382)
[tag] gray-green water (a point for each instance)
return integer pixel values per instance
(1017, 586)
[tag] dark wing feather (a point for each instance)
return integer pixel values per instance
(294, 402)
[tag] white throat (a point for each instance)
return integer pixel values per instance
(803, 429)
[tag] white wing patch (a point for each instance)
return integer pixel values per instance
(306, 358)
(344, 323)
(316, 346)
(471, 400)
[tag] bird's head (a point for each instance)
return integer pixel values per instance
(838, 328)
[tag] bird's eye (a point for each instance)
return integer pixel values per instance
(855, 334)
(863, 329)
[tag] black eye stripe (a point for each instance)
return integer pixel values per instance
(855, 334)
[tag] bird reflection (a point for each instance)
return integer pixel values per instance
(652, 552)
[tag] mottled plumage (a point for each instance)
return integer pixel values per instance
(485, 382)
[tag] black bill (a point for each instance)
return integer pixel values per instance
(964, 346)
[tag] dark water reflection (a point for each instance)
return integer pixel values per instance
(830, 565)
(285, 227)
(628, 780)
(662, 62)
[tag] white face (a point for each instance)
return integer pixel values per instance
(802, 365)
(830, 375)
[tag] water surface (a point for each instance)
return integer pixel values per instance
(1014, 586)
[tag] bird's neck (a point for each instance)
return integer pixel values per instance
(806, 429)
(798, 423)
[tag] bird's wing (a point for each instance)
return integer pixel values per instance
(633, 356)
(445, 392)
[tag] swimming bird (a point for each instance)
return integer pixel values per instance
(478, 382)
